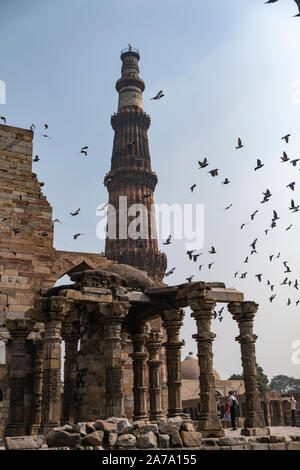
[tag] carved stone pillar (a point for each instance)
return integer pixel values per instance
(71, 336)
(244, 313)
(19, 330)
(37, 387)
(113, 315)
(172, 322)
(209, 423)
(55, 312)
(154, 346)
(28, 389)
(139, 356)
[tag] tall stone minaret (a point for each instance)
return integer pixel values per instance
(131, 175)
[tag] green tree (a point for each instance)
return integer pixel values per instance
(284, 384)
(236, 377)
(262, 379)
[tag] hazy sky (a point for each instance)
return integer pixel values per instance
(229, 69)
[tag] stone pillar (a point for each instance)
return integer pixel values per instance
(71, 336)
(113, 315)
(138, 337)
(55, 312)
(209, 424)
(154, 346)
(37, 388)
(244, 313)
(172, 322)
(28, 391)
(19, 330)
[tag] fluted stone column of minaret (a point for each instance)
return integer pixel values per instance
(131, 177)
(19, 330)
(172, 322)
(209, 421)
(154, 346)
(244, 313)
(139, 337)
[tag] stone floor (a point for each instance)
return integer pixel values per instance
(277, 431)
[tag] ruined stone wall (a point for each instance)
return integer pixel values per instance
(28, 260)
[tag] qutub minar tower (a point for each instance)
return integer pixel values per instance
(131, 174)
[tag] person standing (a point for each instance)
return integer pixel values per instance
(233, 404)
(293, 403)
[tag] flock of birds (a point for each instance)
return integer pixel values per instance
(267, 195)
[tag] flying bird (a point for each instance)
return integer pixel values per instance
(253, 215)
(73, 214)
(286, 138)
(16, 230)
(193, 187)
(259, 277)
(46, 126)
(294, 162)
(211, 265)
(240, 144)
(213, 251)
(3, 119)
(229, 207)
(293, 207)
(170, 272)
(214, 172)
(298, 5)
(203, 164)
(189, 279)
(168, 242)
(291, 186)
(159, 95)
(5, 218)
(226, 181)
(78, 235)
(259, 165)
(36, 159)
(285, 158)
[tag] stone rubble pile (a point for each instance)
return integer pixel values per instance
(120, 434)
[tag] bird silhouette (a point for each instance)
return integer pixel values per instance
(203, 164)
(291, 186)
(259, 165)
(168, 242)
(240, 144)
(73, 214)
(159, 95)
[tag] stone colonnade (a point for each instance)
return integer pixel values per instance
(147, 346)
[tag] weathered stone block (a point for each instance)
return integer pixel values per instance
(93, 439)
(164, 441)
(149, 428)
(232, 441)
(187, 427)
(277, 446)
(24, 442)
(124, 426)
(105, 426)
(259, 446)
(191, 439)
(176, 439)
(275, 439)
(126, 441)
(111, 439)
(293, 445)
(147, 441)
(58, 438)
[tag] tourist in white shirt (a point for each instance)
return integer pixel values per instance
(293, 403)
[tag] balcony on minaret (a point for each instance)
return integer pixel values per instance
(130, 86)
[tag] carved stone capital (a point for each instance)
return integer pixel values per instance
(170, 316)
(114, 311)
(243, 311)
(19, 327)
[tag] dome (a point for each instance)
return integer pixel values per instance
(190, 368)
